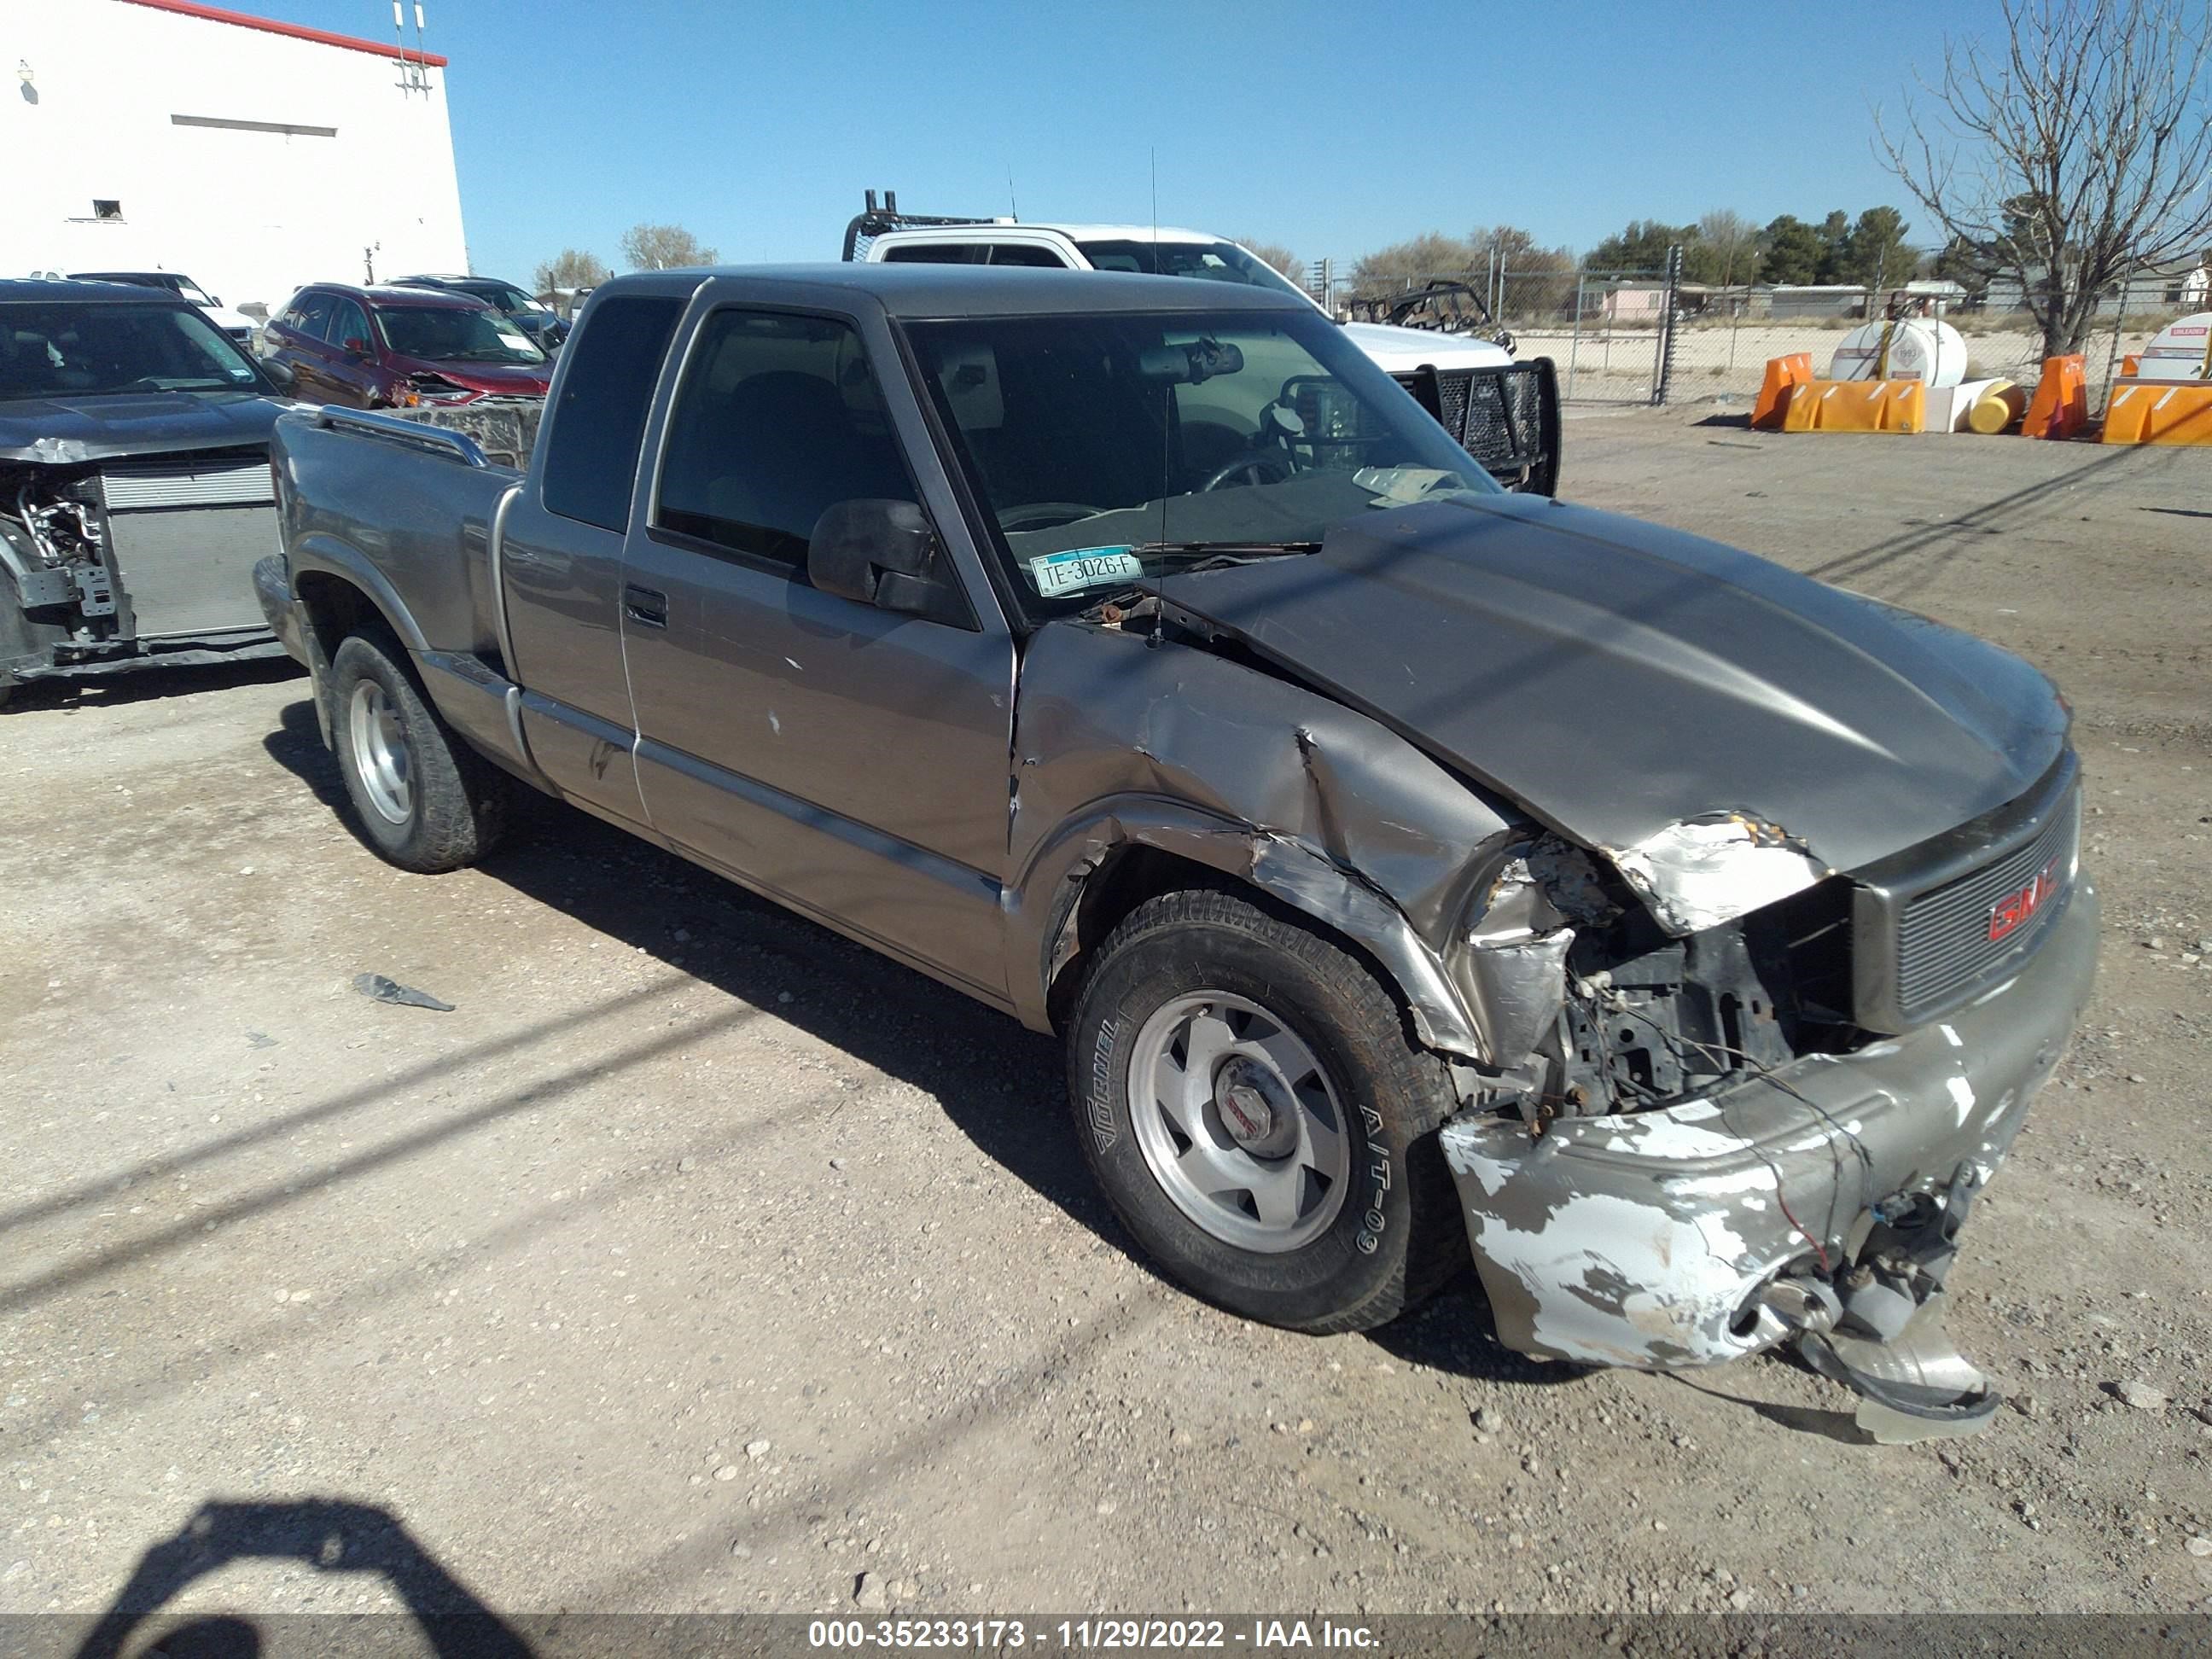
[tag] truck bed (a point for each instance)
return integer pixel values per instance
(411, 503)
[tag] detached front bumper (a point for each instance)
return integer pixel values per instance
(1646, 1239)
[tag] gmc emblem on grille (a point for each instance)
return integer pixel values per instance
(2015, 908)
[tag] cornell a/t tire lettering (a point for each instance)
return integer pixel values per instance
(1392, 1236)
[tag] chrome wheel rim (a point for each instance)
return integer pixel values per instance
(381, 761)
(1238, 1122)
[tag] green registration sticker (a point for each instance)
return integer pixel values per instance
(1055, 574)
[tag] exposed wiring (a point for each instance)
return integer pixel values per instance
(1764, 1074)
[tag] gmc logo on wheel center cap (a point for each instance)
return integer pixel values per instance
(2015, 908)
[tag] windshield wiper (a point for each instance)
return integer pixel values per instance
(1206, 553)
(1203, 556)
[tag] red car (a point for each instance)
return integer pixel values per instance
(384, 347)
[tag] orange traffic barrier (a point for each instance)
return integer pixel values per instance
(2060, 407)
(2158, 412)
(1783, 374)
(1856, 406)
(2130, 366)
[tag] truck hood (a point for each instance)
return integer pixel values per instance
(61, 431)
(1626, 683)
(1401, 349)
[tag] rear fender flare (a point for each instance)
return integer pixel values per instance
(328, 555)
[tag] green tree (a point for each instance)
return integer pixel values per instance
(1835, 233)
(664, 247)
(572, 268)
(1642, 246)
(1790, 252)
(1959, 260)
(1874, 252)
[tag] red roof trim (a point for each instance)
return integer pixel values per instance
(297, 32)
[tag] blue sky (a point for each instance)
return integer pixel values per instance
(758, 126)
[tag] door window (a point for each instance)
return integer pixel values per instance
(311, 314)
(347, 322)
(779, 417)
(1026, 253)
(935, 253)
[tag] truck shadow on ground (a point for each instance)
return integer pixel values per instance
(999, 1084)
(329, 1535)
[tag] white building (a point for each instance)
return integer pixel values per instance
(254, 155)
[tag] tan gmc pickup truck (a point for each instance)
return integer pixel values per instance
(1414, 869)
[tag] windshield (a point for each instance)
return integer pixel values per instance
(1110, 449)
(441, 334)
(1212, 262)
(53, 349)
(506, 297)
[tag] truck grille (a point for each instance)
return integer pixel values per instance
(1957, 934)
(1496, 415)
(228, 480)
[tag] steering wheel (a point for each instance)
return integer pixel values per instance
(1043, 516)
(1255, 466)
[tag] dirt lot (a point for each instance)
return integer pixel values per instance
(700, 1260)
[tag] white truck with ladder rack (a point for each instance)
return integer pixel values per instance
(1505, 414)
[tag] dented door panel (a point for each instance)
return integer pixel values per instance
(1117, 741)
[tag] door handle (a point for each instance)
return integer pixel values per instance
(647, 606)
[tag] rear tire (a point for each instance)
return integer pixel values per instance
(421, 798)
(1325, 1206)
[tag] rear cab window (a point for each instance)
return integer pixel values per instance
(598, 424)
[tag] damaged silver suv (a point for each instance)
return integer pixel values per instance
(1409, 866)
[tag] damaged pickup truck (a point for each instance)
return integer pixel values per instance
(135, 494)
(1408, 865)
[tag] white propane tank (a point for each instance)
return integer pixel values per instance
(2177, 352)
(1920, 349)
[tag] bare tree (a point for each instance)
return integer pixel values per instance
(2077, 154)
(664, 248)
(1275, 254)
(1733, 241)
(572, 268)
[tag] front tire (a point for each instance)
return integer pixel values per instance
(420, 797)
(1246, 1093)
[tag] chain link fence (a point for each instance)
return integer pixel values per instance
(1627, 337)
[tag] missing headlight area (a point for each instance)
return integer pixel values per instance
(51, 540)
(1592, 1008)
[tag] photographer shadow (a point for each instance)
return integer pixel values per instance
(330, 1535)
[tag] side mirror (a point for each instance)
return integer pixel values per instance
(885, 554)
(279, 371)
(356, 347)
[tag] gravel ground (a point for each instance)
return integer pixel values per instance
(698, 1259)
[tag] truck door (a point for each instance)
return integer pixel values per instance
(561, 555)
(849, 761)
